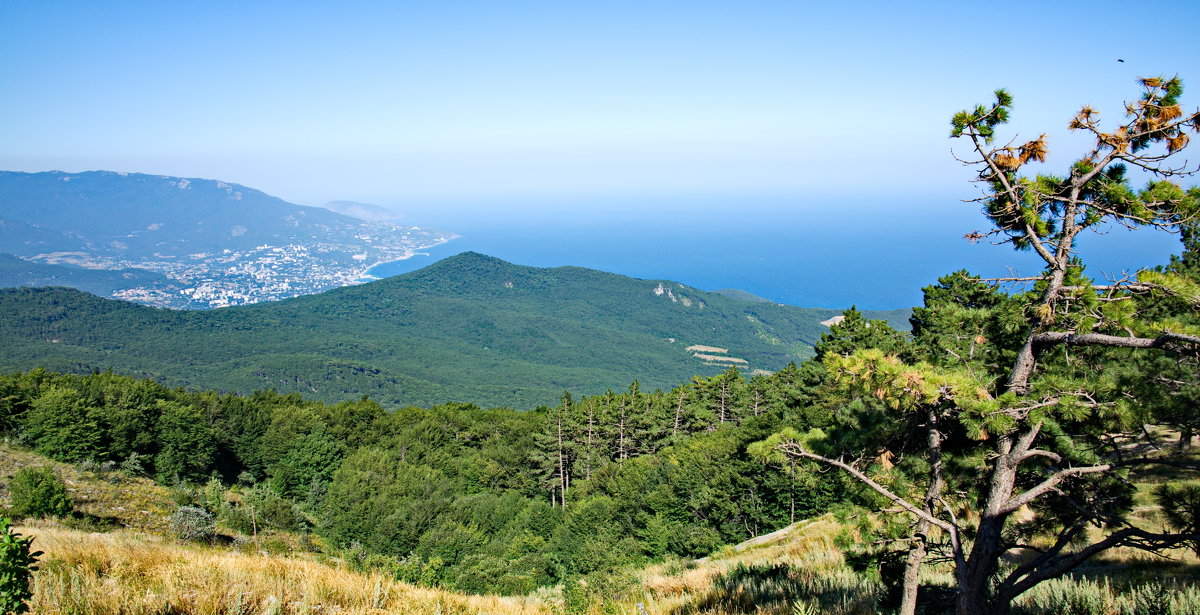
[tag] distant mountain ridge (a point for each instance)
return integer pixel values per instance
(470, 328)
(363, 211)
(218, 243)
(115, 213)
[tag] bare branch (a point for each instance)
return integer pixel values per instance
(1022, 412)
(794, 449)
(1050, 483)
(1032, 278)
(1165, 340)
(1129, 536)
(1014, 196)
(1037, 452)
(1131, 286)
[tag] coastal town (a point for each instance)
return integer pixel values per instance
(271, 272)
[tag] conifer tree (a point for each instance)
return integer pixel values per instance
(554, 450)
(1036, 382)
(652, 425)
(589, 414)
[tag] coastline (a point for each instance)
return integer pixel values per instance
(367, 276)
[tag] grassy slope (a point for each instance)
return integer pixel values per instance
(109, 499)
(470, 328)
(137, 570)
(137, 574)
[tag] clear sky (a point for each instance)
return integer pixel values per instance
(406, 103)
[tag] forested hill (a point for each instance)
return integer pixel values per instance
(470, 328)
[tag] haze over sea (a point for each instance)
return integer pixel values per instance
(827, 252)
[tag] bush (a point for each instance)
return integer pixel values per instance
(755, 588)
(781, 589)
(191, 523)
(16, 568)
(39, 492)
(261, 509)
(1150, 599)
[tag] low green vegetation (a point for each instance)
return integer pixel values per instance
(39, 492)
(16, 568)
(458, 496)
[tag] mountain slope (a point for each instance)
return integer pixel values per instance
(134, 214)
(16, 271)
(215, 243)
(470, 328)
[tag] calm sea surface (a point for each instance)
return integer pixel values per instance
(829, 254)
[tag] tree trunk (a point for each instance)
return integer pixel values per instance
(621, 434)
(973, 598)
(723, 404)
(912, 570)
(678, 414)
(1018, 378)
(562, 464)
(916, 554)
(973, 592)
(587, 462)
(792, 491)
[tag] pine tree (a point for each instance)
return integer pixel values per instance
(1036, 378)
(554, 451)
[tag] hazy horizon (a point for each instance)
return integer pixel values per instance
(792, 132)
(463, 103)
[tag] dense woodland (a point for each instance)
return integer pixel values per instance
(473, 499)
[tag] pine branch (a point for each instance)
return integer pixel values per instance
(1127, 537)
(1050, 483)
(1166, 340)
(794, 449)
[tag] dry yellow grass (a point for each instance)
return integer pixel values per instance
(127, 573)
(807, 545)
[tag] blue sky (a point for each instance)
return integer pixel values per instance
(407, 104)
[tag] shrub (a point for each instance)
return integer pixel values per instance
(134, 464)
(192, 523)
(1070, 596)
(261, 509)
(755, 588)
(1151, 599)
(39, 492)
(16, 568)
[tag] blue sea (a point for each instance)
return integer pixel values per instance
(808, 252)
